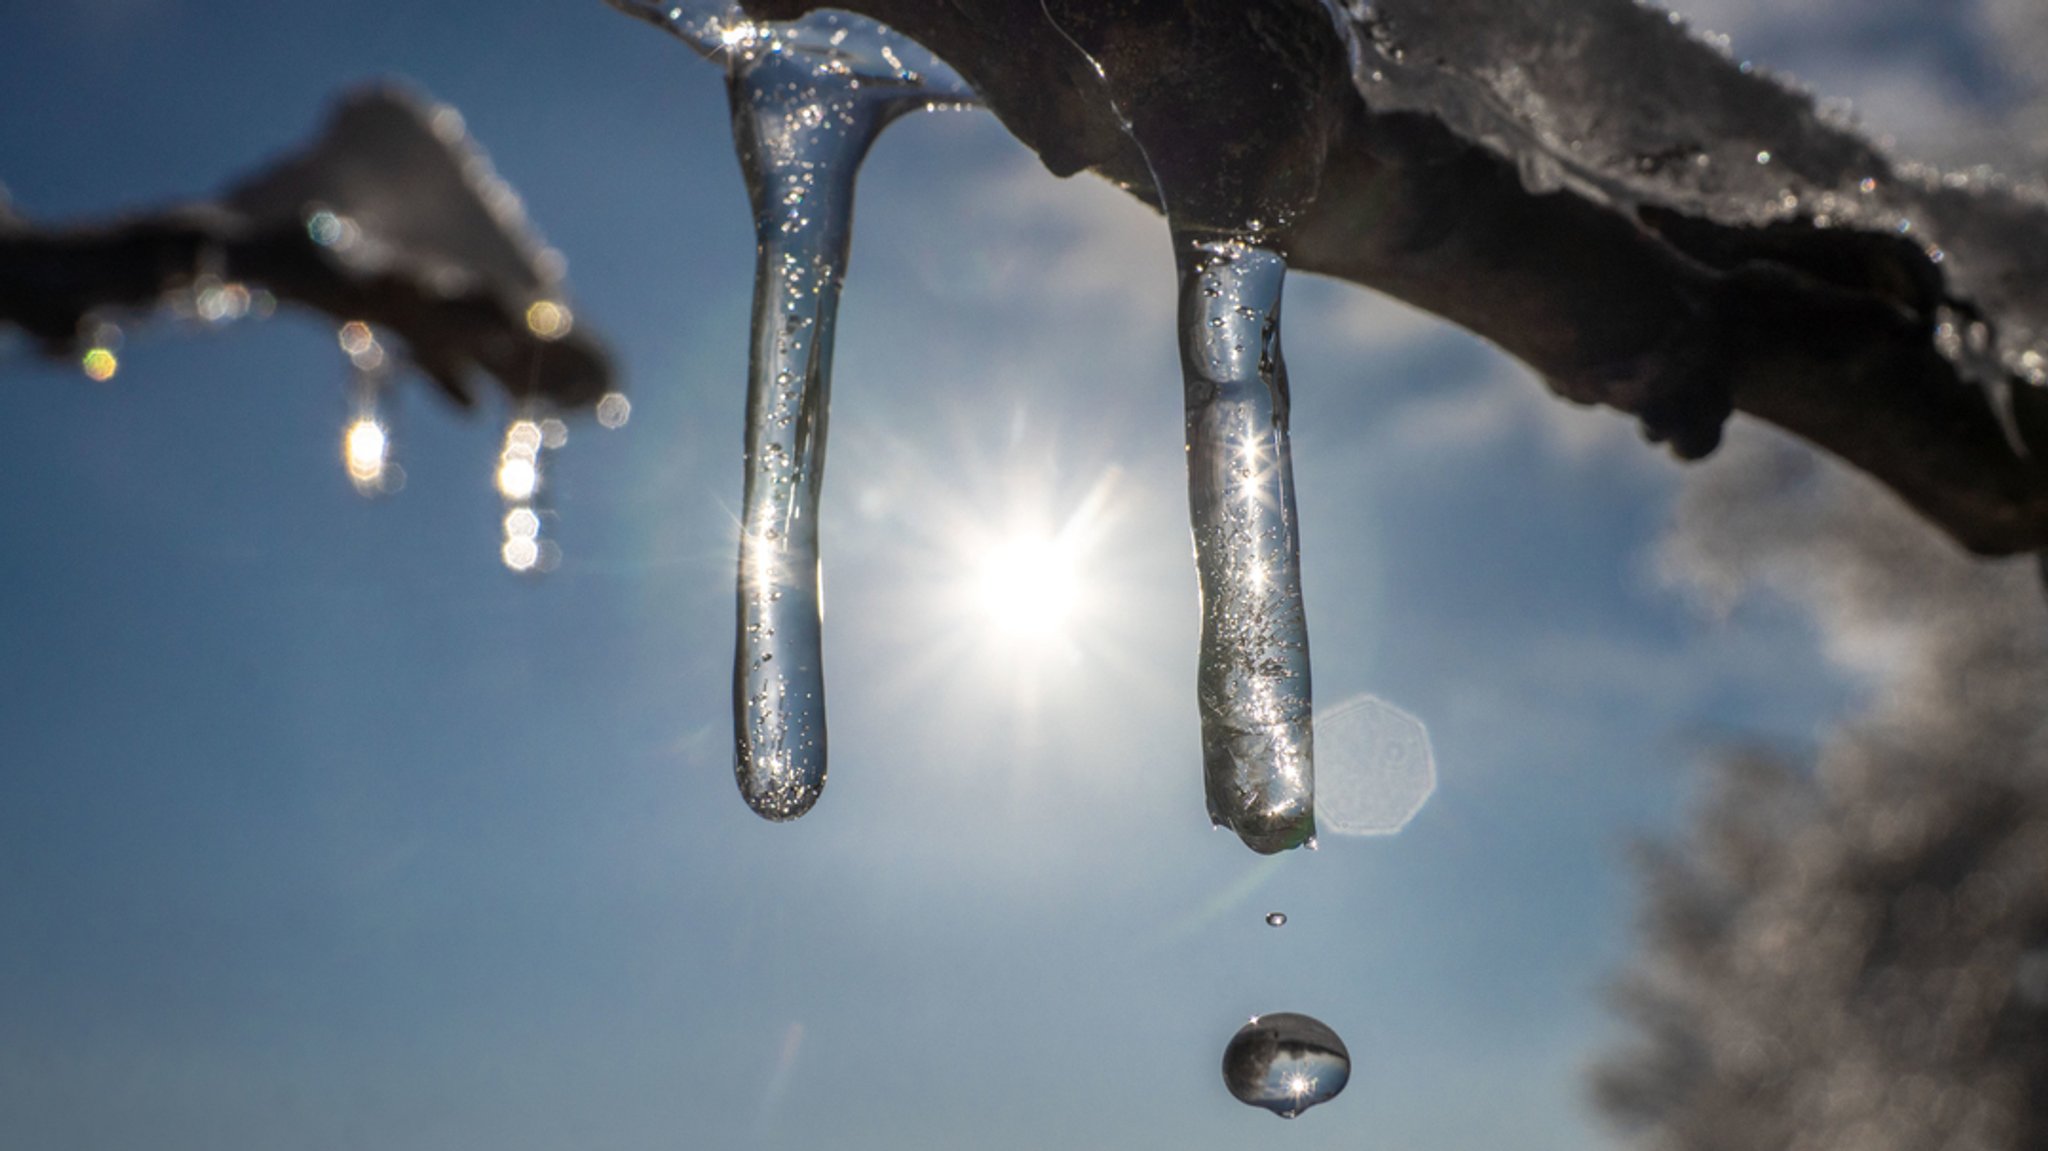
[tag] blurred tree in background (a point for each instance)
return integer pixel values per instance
(1853, 953)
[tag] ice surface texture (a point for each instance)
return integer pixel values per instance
(1584, 183)
(808, 99)
(1253, 676)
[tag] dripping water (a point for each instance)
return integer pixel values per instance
(1286, 1063)
(1252, 687)
(808, 98)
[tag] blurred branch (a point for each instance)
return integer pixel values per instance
(1588, 186)
(391, 217)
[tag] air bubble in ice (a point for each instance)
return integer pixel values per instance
(808, 98)
(1286, 1063)
(1252, 682)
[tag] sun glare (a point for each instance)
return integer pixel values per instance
(1029, 584)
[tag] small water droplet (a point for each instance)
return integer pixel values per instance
(1286, 1063)
(1276, 919)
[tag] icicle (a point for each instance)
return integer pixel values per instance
(808, 98)
(1253, 684)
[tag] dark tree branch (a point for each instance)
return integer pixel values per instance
(1582, 183)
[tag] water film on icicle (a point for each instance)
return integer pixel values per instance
(1252, 686)
(1286, 1063)
(808, 99)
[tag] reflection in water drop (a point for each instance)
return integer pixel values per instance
(1286, 1063)
(1252, 686)
(1276, 919)
(1374, 767)
(808, 98)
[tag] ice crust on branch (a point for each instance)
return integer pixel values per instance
(391, 216)
(1612, 198)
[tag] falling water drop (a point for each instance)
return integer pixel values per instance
(1276, 919)
(1286, 1063)
(808, 99)
(1252, 686)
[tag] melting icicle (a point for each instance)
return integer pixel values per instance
(808, 99)
(1253, 684)
(1286, 1063)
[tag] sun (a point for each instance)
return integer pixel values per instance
(1029, 584)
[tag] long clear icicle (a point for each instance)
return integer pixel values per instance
(1253, 684)
(808, 99)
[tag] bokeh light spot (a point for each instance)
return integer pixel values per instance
(100, 364)
(518, 478)
(614, 410)
(549, 320)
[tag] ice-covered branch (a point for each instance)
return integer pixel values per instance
(1644, 221)
(391, 218)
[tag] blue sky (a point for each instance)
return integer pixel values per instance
(320, 829)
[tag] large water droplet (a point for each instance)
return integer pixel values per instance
(1276, 919)
(1286, 1063)
(1252, 686)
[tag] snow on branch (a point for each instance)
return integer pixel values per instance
(391, 217)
